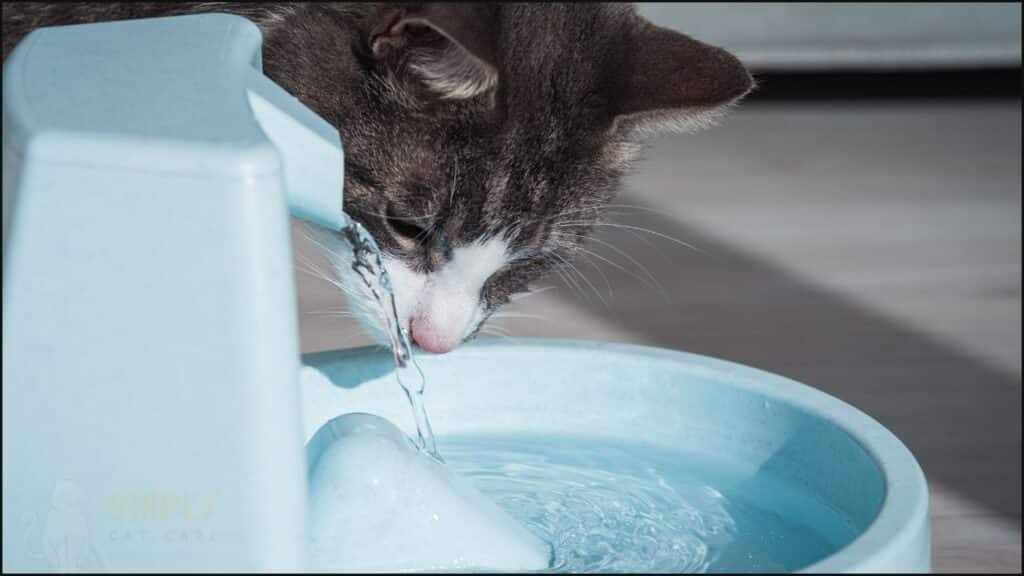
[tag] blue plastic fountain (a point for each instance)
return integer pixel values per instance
(155, 410)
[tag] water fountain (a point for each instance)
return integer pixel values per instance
(157, 416)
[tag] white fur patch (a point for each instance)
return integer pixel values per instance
(471, 266)
(448, 299)
(407, 285)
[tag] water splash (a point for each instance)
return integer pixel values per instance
(368, 265)
(608, 506)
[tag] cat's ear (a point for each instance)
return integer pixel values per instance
(673, 83)
(446, 47)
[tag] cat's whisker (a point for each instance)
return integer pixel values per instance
(639, 229)
(518, 316)
(587, 280)
(636, 207)
(494, 328)
(455, 179)
(586, 255)
(332, 310)
(352, 336)
(310, 235)
(649, 244)
(522, 295)
(353, 296)
(307, 261)
(334, 314)
(576, 248)
(609, 261)
(617, 250)
(309, 268)
(654, 283)
(333, 279)
(576, 222)
(434, 224)
(557, 268)
(315, 271)
(318, 275)
(563, 270)
(646, 242)
(489, 326)
(633, 233)
(602, 210)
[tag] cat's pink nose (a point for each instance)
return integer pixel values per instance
(426, 335)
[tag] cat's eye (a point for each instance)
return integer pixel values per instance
(406, 227)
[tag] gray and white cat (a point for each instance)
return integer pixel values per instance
(481, 140)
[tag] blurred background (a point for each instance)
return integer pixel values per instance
(856, 226)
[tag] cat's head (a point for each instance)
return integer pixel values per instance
(481, 141)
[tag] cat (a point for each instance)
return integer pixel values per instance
(481, 140)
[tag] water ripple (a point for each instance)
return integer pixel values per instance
(608, 507)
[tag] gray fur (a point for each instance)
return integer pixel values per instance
(540, 106)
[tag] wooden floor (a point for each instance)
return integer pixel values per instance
(869, 249)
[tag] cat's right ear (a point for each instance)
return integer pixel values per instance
(669, 82)
(447, 48)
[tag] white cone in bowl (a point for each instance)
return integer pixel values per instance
(378, 504)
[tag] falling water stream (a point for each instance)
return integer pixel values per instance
(368, 265)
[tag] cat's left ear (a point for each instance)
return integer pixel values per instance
(670, 82)
(447, 47)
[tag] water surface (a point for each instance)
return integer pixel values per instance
(614, 507)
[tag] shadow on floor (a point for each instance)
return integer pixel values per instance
(960, 418)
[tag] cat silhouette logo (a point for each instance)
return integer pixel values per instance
(67, 544)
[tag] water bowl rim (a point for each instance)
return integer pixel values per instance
(903, 514)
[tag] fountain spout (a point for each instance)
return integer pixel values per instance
(310, 150)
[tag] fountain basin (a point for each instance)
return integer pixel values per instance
(793, 452)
